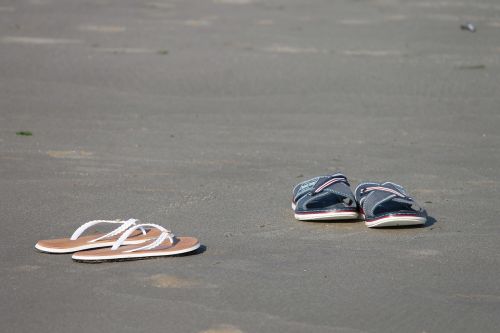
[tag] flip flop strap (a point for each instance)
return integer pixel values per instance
(124, 225)
(160, 239)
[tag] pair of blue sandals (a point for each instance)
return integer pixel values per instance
(330, 197)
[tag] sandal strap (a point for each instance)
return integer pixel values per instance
(323, 183)
(124, 225)
(381, 188)
(372, 195)
(160, 239)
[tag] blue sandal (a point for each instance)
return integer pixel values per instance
(387, 204)
(324, 198)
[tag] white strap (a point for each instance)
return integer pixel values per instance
(163, 236)
(124, 225)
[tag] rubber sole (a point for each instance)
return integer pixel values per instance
(395, 221)
(327, 216)
(90, 246)
(131, 256)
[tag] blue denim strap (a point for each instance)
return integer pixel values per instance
(335, 183)
(371, 195)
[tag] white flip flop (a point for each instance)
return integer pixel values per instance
(77, 242)
(165, 244)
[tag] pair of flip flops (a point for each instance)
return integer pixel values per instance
(330, 197)
(129, 240)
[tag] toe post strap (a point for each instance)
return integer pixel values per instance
(165, 234)
(124, 225)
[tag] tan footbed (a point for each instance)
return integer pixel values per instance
(66, 243)
(182, 243)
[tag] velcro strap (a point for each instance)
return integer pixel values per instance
(374, 196)
(383, 189)
(322, 184)
(318, 184)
